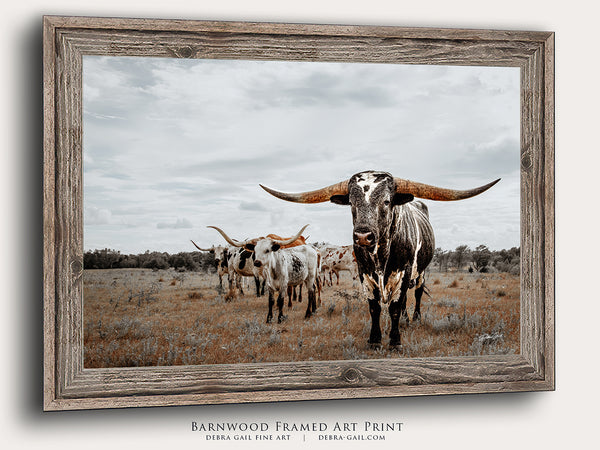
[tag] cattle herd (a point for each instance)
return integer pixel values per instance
(393, 244)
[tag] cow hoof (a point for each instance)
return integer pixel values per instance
(375, 341)
(281, 319)
(374, 345)
(395, 343)
(416, 317)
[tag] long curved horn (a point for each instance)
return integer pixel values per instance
(201, 249)
(429, 192)
(318, 196)
(227, 238)
(292, 239)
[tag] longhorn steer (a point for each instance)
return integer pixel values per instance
(222, 255)
(242, 259)
(239, 264)
(284, 267)
(393, 239)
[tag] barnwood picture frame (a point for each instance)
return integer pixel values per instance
(68, 385)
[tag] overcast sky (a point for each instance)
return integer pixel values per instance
(171, 146)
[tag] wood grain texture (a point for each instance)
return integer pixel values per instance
(49, 213)
(549, 200)
(67, 385)
(299, 376)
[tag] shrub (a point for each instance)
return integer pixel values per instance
(330, 309)
(274, 338)
(447, 302)
(489, 344)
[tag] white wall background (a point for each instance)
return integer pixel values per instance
(550, 419)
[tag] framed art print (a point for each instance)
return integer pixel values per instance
(249, 212)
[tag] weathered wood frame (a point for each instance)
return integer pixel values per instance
(67, 385)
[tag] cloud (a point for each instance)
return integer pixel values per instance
(252, 206)
(96, 216)
(179, 223)
(166, 139)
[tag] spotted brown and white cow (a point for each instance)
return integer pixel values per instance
(393, 239)
(337, 259)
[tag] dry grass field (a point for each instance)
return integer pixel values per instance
(140, 317)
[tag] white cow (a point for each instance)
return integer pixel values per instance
(283, 267)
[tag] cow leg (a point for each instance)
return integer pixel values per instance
(300, 294)
(311, 307)
(239, 284)
(403, 296)
(394, 310)
(271, 302)
(231, 294)
(375, 310)
(319, 286)
(290, 290)
(220, 281)
(262, 290)
(280, 317)
(418, 294)
(257, 283)
(397, 310)
(337, 274)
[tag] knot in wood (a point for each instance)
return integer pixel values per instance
(526, 161)
(76, 267)
(185, 52)
(351, 375)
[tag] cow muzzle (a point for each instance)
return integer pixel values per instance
(364, 238)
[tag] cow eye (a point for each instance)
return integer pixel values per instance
(386, 202)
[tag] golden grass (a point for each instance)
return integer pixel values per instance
(133, 318)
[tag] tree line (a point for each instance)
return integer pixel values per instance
(113, 259)
(480, 259)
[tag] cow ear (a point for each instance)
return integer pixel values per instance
(340, 199)
(249, 247)
(401, 199)
(212, 250)
(275, 247)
